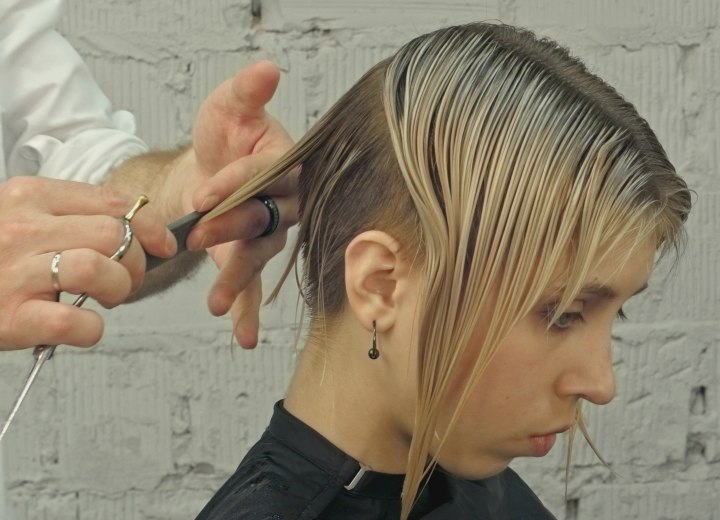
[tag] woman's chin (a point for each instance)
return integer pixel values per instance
(475, 468)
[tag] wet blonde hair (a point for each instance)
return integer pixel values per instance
(494, 157)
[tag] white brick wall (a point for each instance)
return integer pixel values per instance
(150, 423)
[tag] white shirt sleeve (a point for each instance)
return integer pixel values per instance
(56, 121)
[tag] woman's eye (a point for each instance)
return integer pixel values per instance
(566, 319)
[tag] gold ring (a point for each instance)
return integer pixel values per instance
(139, 203)
(55, 272)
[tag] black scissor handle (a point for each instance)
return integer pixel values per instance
(180, 229)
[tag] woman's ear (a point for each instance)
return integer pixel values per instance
(377, 278)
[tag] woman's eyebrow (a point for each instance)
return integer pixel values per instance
(606, 292)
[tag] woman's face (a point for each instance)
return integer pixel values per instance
(531, 388)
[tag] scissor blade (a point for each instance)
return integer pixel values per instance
(44, 353)
(180, 229)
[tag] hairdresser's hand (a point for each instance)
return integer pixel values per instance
(234, 140)
(40, 216)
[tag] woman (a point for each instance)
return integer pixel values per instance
(474, 213)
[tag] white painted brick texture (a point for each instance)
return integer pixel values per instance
(151, 422)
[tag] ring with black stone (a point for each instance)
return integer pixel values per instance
(274, 215)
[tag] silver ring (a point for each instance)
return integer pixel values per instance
(274, 215)
(126, 241)
(128, 233)
(55, 272)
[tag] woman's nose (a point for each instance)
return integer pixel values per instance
(589, 374)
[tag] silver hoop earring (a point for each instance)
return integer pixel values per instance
(374, 353)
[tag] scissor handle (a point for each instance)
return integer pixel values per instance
(180, 229)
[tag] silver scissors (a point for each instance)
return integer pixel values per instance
(44, 352)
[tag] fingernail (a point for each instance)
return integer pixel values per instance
(170, 243)
(198, 244)
(210, 202)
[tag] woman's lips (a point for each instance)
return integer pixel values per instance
(542, 444)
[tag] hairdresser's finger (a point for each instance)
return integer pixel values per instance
(51, 323)
(103, 235)
(100, 233)
(80, 271)
(237, 174)
(148, 227)
(135, 261)
(61, 197)
(81, 210)
(245, 314)
(239, 262)
(247, 221)
(56, 233)
(252, 88)
(76, 198)
(150, 230)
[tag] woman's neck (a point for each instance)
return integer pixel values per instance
(360, 405)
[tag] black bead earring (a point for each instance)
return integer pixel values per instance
(374, 353)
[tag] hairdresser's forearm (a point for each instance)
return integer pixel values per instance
(162, 176)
